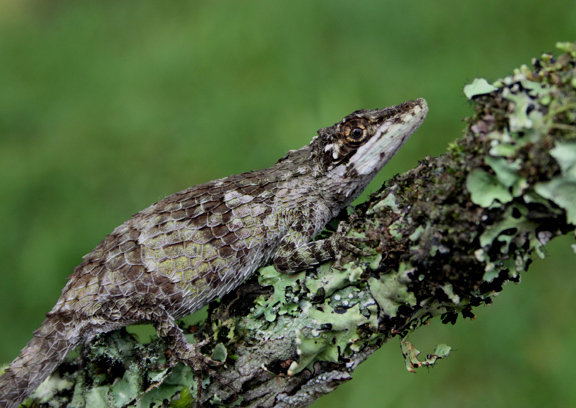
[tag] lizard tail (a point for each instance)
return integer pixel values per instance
(49, 346)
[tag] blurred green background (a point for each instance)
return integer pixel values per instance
(106, 107)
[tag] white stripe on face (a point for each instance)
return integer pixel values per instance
(389, 137)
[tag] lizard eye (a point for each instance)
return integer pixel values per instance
(357, 134)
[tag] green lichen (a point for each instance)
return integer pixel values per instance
(486, 189)
(119, 374)
(390, 291)
(333, 311)
(284, 298)
(332, 334)
(327, 279)
(388, 202)
(478, 87)
(514, 222)
(562, 190)
(507, 174)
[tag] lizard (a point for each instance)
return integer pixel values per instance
(196, 245)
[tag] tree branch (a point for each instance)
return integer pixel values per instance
(443, 238)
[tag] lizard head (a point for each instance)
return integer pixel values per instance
(352, 151)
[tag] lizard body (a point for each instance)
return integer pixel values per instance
(180, 253)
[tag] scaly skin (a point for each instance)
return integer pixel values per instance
(196, 245)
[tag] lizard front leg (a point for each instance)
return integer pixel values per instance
(297, 252)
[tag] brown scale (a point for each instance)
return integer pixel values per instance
(180, 253)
